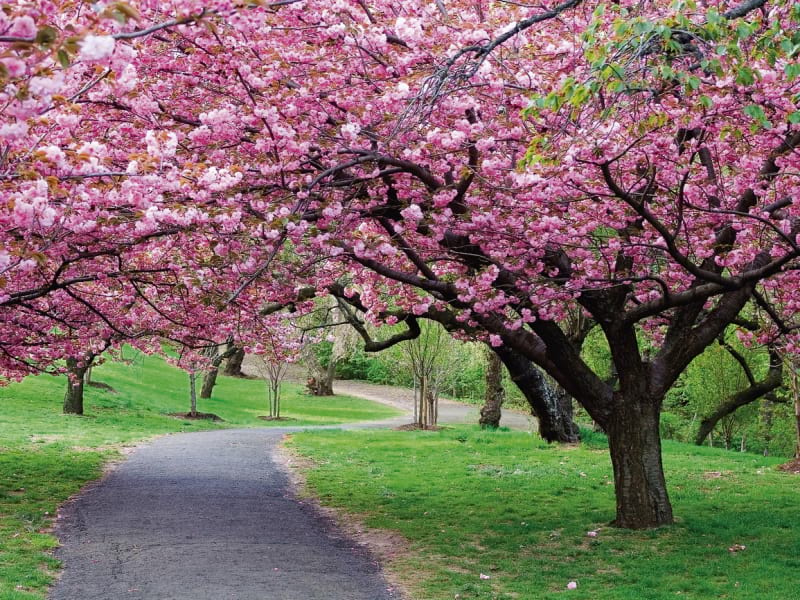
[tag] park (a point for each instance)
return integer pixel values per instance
(357, 299)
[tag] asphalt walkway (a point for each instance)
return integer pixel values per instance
(211, 516)
(207, 516)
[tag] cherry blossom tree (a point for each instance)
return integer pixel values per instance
(494, 167)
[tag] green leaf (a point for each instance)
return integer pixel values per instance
(745, 76)
(63, 58)
(794, 118)
(754, 111)
(46, 35)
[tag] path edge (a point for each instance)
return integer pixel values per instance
(376, 541)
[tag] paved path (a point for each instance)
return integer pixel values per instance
(206, 516)
(210, 516)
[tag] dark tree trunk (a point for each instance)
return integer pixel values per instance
(495, 394)
(73, 398)
(324, 382)
(635, 445)
(209, 381)
(323, 387)
(555, 422)
(233, 368)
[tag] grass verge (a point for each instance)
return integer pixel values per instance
(45, 456)
(505, 505)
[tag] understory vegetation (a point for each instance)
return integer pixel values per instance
(766, 426)
(501, 515)
(46, 456)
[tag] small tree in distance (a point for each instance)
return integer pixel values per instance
(272, 372)
(281, 346)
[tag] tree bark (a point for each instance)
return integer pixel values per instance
(192, 394)
(324, 383)
(233, 368)
(797, 425)
(635, 445)
(495, 394)
(73, 398)
(555, 422)
(209, 381)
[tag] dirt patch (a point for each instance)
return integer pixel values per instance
(102, 386)
(716, 474)
(266, 418)
(386, 546)
(417, 427)
(197, 416)
(793, 466)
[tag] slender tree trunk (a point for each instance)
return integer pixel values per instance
(635, 445)
(233, 367)
(421, 402)
(797, 424)
(87, 378)
(209, 381)
(193, 394)
(431, 407)
(416, 405)
(794, 386)
(73, 398)
(495, 394)
(555, 422)
(276, 395)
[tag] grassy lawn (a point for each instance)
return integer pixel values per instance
(46, 456)
(506, 505)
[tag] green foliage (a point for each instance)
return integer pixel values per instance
(709, 379)
(46, 456)
(365, 367)
(507, 505)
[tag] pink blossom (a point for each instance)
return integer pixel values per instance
(96, 47)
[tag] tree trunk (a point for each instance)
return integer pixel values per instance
(193, 394)
(797, 424)
(635, 445)
(233, 368)
(73, 398)
(209, 380)
(432, 416)
(423, 405)
(495, 394)
(555, 421)
(323, 384)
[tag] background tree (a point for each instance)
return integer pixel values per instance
(495, 394)
(233, 366)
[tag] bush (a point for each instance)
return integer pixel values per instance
(671, 426)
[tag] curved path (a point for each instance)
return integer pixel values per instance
(449, 410)
(211, 516)
(207, 516)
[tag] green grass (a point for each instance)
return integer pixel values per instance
(46, 456)
(507, 505)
